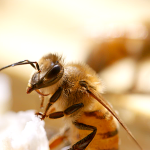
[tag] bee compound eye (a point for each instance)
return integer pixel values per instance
(54, 71)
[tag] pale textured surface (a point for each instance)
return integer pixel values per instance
(22, 131)
(5, 93)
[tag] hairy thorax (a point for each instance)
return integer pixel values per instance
(73, 92)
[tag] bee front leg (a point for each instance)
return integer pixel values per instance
(52, 100)
(68, 111)
(82, 144)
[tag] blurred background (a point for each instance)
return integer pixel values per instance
(112, 36)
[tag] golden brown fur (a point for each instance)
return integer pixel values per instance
(73, 93)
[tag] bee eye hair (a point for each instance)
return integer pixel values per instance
(53, 72)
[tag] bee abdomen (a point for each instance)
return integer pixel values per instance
(106, 137)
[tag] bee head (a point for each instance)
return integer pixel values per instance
(50, 71)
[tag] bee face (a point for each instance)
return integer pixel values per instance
(50, 72)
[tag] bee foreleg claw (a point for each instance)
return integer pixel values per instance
(40, 114)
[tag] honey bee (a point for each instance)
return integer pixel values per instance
(74, 91)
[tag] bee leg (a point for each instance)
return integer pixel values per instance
(60, 140)
(82, 144)
(52, 100)
(68, 111)
(42, 101)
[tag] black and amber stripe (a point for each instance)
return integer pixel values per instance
(108, 134)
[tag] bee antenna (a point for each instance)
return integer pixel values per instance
(23, 63)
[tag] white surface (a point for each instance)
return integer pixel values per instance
(22, 131)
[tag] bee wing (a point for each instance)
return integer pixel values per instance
(96, 95)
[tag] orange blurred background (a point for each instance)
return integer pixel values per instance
(111, 36)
